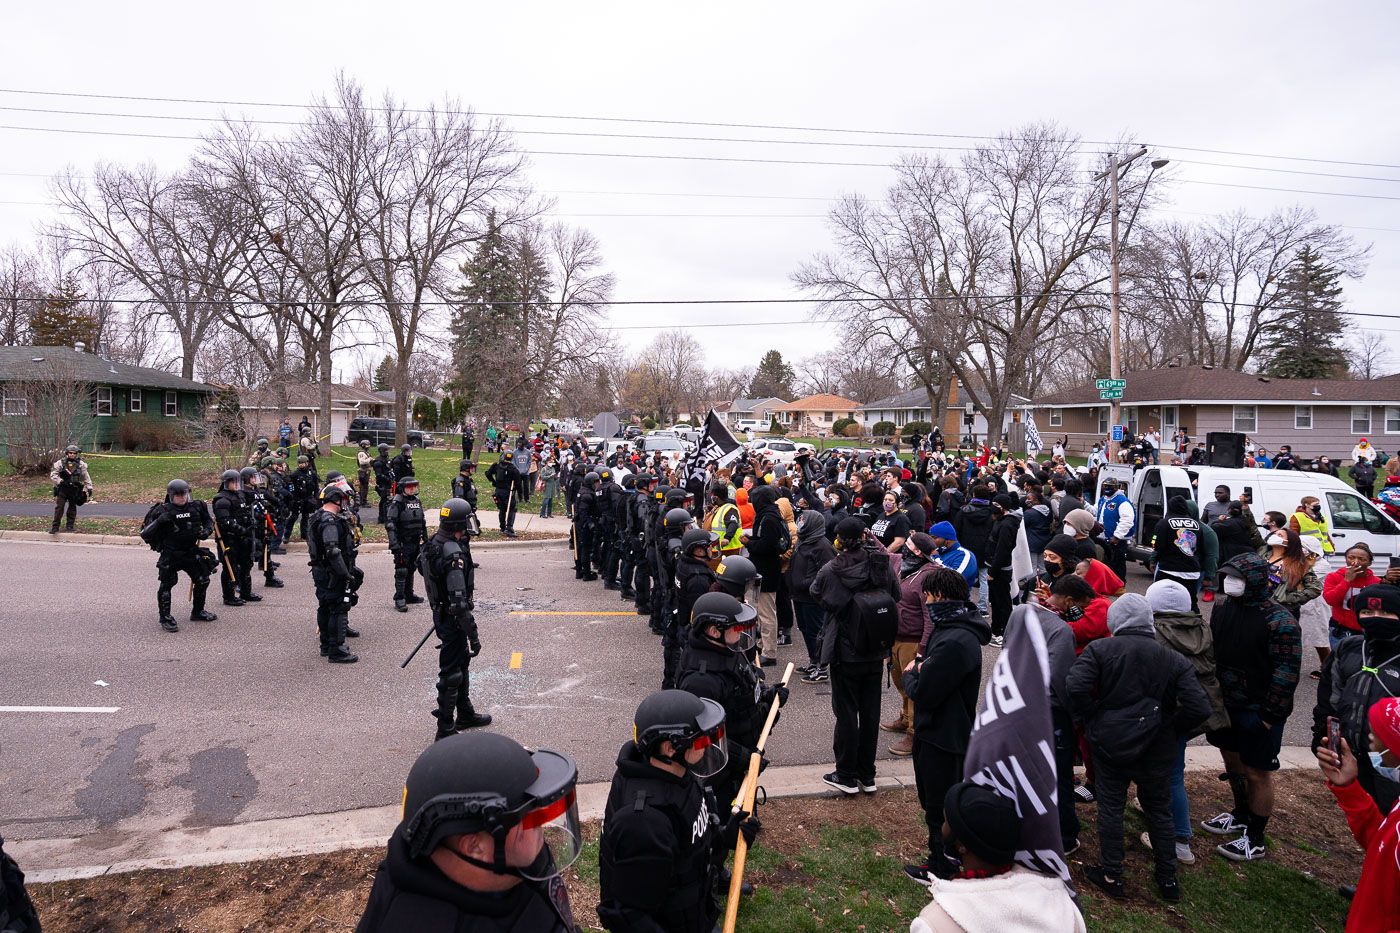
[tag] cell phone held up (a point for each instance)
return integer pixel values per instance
(1394, 563)
(1334, 735)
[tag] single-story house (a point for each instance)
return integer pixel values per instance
(119, 392)
(751, 409)
(702, 411)
(1315, 417)
(913, 406)
(260, 408)
(815, 415)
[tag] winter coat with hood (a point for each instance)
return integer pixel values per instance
(1002, 544)
(947, 677)
(1133, 696)
(786, 511)
(973, 523)
(1258, 647)
(862, 568)
(812, 552)
(1209, 543)
(911, 572)
(1038, 526)
(1186, 633)
(949, 502)
(842, 509)
(763, 543)
(1360, 673)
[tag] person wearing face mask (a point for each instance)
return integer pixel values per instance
(941, 684)
(716, 666)
(1257, 656)
(1000, 551)
(948, 552)
(1375, 827)
(1309, 521)
(912, 564)
(492, 868)
(1290, 572)
(812, 552)
(663, 838)
(1358, 674)
(891, 527)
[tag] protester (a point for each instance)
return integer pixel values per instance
(912, 567)
(812, 553)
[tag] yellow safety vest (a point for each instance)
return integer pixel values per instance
(1316, 529)
(732, 544)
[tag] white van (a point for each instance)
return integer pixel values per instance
(745, 425)
(1350, 516)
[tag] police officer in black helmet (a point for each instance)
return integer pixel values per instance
(504, 478)
(586, 508)
(664, 836)
(693, 578)
(487, 828)
(383, 479)
(448, 578)
(233, 526)
(330, 546)
(176, 529)
(737, 576)
(407, 530)
(717, 665)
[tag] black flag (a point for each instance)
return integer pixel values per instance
(716, 446)
(1012, 749)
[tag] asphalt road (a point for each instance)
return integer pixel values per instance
(20, 508)
(241, 719)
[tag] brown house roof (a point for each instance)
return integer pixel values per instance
(1199, 385)
(820, 403)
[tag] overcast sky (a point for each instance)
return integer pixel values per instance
(1281, 79)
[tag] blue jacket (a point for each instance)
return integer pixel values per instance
(1109, 517)
(960, 559)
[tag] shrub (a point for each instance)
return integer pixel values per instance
(425, 414)
(839, 428)
(776, 428)
(917, 427)
(148, 434)
(883, 429)
(852, 430)
(649, 423)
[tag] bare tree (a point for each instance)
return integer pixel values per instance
(19, 293)
(45, 411)
(1370, 355)
(663, 375)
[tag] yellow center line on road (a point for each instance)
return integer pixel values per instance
(515, 660)
(521, 612)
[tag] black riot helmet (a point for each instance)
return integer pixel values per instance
(457, 515)
(409, 485)
(629, 482)
(177, 487)
(739, 577)
(383, 448)
(689, 723)
(247, 473)
(334, 475)
(230, 476)
(407, 448)
(466, 466)
(605, 475)
(645, 479)
(591, 478)
(334, 492)
(698, 537)
(661, 492)
(486, 783)
(364, 442)
(676, 498)
(724, 612)
(676, 521)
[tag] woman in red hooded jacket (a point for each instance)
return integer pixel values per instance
(1376, 906)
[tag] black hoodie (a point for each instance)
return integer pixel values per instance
(767, 530)
(1176, 541)
(945, 681)
(863, 568)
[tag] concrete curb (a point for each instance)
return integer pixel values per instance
(369, 827)
(368, 547)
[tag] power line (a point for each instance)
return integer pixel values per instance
(669, 122)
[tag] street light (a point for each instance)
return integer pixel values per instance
(1115, 164)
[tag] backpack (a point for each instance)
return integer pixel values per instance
(153, 513)
(876, 618)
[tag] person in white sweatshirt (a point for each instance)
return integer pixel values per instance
(992, 894)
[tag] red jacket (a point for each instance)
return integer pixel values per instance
(1338, 594)
(1376, 906)
(1093, 625)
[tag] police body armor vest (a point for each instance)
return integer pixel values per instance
(186, 523)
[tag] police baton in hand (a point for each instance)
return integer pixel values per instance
(223, 551)
(747, 790)
(421, 642)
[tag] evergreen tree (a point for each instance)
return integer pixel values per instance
(773, 378)
(447, 416)
(486, 322)
(1306, 340)
(64, 319)
(384, 375)
(425, 414)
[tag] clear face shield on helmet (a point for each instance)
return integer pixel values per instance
(555, 826)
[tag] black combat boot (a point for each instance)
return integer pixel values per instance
(245, 589)
(197, 613)
(54, 529)
(411, 597)
(323, 627)
(167, 621)
(400, 603)
(271, 581)
(467, 716)
(339, 654)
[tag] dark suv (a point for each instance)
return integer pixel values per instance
(381, 431)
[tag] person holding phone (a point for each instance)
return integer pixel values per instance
(1308, 520)
(1340, 587)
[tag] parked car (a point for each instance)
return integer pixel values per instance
(664, 443)
(1350, 517)
(778, 449)
(382, 431)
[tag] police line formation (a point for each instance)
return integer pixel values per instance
(488, 826)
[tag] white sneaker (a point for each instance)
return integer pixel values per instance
(996, 641)
(1241, 850)
(1183, 849)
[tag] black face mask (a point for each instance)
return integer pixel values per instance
(1376, 628)
(941, 610)
(1053, 567)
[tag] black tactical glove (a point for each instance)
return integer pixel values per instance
(473, 646)
(777, 690)
(740, 823)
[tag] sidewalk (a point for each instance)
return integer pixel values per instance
(46, 860)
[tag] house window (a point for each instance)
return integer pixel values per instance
(137, 400)
(1057, 417)
(1246, 419)
(104, 400)
(1392, 420)
(1130, 420)
(14, 404)
(826, 416)
(1361, 419)
(172, 408)
(1169, 422)
(1103, 421)
(1302, 417)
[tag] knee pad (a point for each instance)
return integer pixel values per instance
(450, 679)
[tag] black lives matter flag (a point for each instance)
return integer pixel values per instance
(716, 446)
(1012, 749)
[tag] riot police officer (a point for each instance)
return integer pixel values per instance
(304, 493)
(638, 521)
(256, 458)
(464, 488)
(664, 836)
(260, 508)
(605, 535)
(383, 479)
(448, 578)
(585, 526)
(716, 665)
(402, 465)
(352, 518)
(72, 486)
(330, 547)
(622, 521)
(674, 529)
(407, 530)
(737, 576)
(489, 867)
(503, 477)
(364, 467)
(178, 526)
(233, 530)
